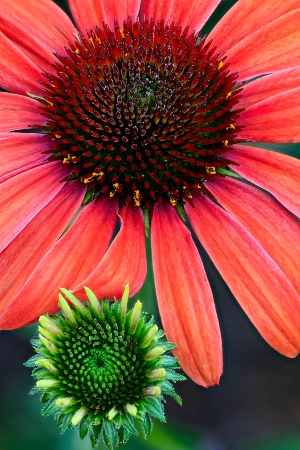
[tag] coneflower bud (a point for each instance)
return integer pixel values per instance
(103, 369)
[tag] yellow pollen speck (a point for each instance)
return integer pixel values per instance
(58, 136)
(187, 192)
(88, 179)
(67, 159)
(199, 186)
(221, 64)
(173, 201)
(231, 126)
(100, 175)
(136, 198)
(225, 142)
(77, 51)
(122, 33)
(92, 41)
(210, 170)
(228, 95)
(50, 103)
(115, 189)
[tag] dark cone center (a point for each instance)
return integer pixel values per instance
(143, 113)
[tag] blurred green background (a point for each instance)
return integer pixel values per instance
(255, 407)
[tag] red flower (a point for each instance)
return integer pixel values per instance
(146, 118)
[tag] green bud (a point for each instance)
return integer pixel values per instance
(102, 367)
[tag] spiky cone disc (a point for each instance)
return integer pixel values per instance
(103, 369)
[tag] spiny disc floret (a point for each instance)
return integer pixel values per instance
(143, 112)
(100, 366)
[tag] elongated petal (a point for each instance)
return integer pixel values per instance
(41, 21)
(23, 196)
(193, 14)
(17, 73)
(275, 172)
(34, 29)
(276, 119)
(261, 288)
(59, 267)
(96, 11)
(273, 47)
(272, 225)
(18, 112)
(185, 300)
(124, 262)
(20, 149)
(246, 17)
(269, 86)
(23, 254)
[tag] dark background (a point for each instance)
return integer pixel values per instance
(255, 407)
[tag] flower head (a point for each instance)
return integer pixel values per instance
(102, 369)
(132, 115)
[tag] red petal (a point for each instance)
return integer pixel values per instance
(20, 150)
(275, 172)
(41, 27)
(17, 73)
(269, 86)
(23, 254)
(274, 47)
(96, 11)
(263, 217)
(185, 300)
(276, 119)
(124, 262)
(59, 267)
(193, 14)
(258, 284)
(246, 17)
(18, 112)
(24, 195)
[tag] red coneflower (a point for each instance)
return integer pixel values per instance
(132, 114)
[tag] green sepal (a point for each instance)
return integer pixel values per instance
(227, 172)
(167, 388)
(173, 376)
(146, 425)
(46, 397)
(155, 408)
(128, 423)
(108, 433)
(167, 346)
(49, 408)
(32, 361)
(64, 421)
(123, 435)
(169, 361)
(95, 432)
(83, 427)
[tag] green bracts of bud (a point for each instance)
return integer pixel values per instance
(101, 367)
